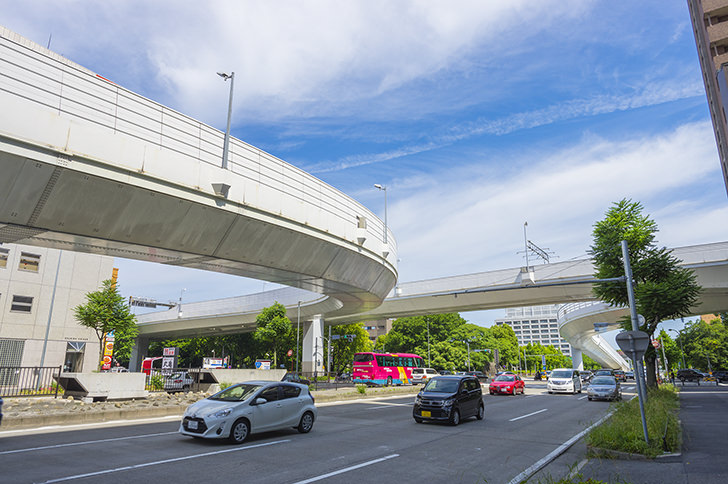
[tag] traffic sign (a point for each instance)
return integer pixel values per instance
(290, 352)
(656, 344)
(633, 343)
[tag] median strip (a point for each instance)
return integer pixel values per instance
(528, 415)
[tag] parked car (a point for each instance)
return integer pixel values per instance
(421, 375)
(507, 384)
(619, 375)
(604, 388)
(628, 375)
(180, 381)
(250, 407)
(445, 372)
(450, 399)
(721, 375)
(564, 380)
(604, 372)
(294, 377)
(689, 374)
(585, 375)
(345, 376)
(478, 374)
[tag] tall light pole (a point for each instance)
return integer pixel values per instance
(428, 343)
(525, 242)
(298, 335)
(226, 144)
(384, 189)
(679, 336)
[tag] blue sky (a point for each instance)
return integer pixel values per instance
(477, 115)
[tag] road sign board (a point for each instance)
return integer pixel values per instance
(633, 343)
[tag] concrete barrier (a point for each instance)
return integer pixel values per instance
(103, 386)
(210, 379)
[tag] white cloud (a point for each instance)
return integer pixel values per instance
(467, 221)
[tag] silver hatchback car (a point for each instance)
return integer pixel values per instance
(250, 407)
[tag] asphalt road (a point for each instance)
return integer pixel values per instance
(362, 442)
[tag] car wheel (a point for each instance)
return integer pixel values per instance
(239, 432)
(186, 388)
(418, 420)
(550, 392)
(590, 398)
(481, 412)
(491, 393)
(389, 381)
(579, 389)
(455, 417)
(306, 423)
(682, 380)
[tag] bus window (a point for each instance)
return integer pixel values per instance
(363, 358)
(380, 360)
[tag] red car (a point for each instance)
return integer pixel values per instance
(507, 384)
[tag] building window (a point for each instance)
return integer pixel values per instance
(29, 262)
(22, 304)
(4, 258)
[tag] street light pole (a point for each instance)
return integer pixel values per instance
(298, 335)
(428, 343)
(226, 143)
(679, 336)
(384, 189)
(179, 306)
(468, 343)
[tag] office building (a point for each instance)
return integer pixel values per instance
(710, 26)
(536, 324)
(38, 290)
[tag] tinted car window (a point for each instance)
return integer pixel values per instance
(561, 374)
(440, 385)
(290, 391)
(270, 394)
(505, 378)
(363, 358)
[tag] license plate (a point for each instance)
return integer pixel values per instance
(192, 425)
(426, 413)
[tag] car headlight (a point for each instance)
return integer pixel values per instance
(221, 413)
(448, 402)
(418, 399)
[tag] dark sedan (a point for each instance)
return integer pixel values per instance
(449, 399)
(478, 374)
(293, 377)
(604, 388)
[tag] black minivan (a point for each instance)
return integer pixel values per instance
(449, 398)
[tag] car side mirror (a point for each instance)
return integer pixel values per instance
(260, 401)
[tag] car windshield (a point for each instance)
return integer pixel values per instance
(442, 385)
(561, 374)
(603, 380)
(603, 372)
(418, 370)
(237, 393)
(505, 378)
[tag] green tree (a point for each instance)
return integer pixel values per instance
(589, 364)
(343, 349)
(105, 311)
(706, 344)
(274, 329)
(532, 352)
(663, 290)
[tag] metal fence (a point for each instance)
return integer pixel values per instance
(175, 380)
(29, 381)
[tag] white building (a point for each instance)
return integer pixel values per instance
(27, 282)
(536, 324)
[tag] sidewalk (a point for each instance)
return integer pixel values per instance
(703, 411)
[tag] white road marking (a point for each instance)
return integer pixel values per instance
(528, 415)
(371, 400)
(393, 404)
(165, 461)
(582, 398)
(525, 475)
(347, 469)
(110, 423)
(16, 451)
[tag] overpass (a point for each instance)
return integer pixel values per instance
(557, 283)
(92, 167)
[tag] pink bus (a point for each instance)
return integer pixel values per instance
(384, 368)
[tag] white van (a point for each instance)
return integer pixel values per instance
(422, 375)
(565, 380)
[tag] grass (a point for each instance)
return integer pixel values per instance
(361, 389)
(623, 431)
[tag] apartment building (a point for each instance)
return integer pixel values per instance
(536, 324)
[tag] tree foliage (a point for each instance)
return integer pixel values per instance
(705, 344)
(531, 357)
(449, 337)
(663, 290)
(274, 329)
(105, 311)
(343, 349)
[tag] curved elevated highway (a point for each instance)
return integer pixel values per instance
(92, 167)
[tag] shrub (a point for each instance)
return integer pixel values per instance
(361, 389)
(156, 382)
(623, 431)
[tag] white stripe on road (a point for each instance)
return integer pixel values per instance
(109, 423)
(347, 469)
(582, 398)
(528, 415)
(166, 461)
(84, 443)
(525, 475)
(385, 405)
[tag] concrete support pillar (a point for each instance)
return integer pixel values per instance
(576, 361)
(138, 352)
(312, 356)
